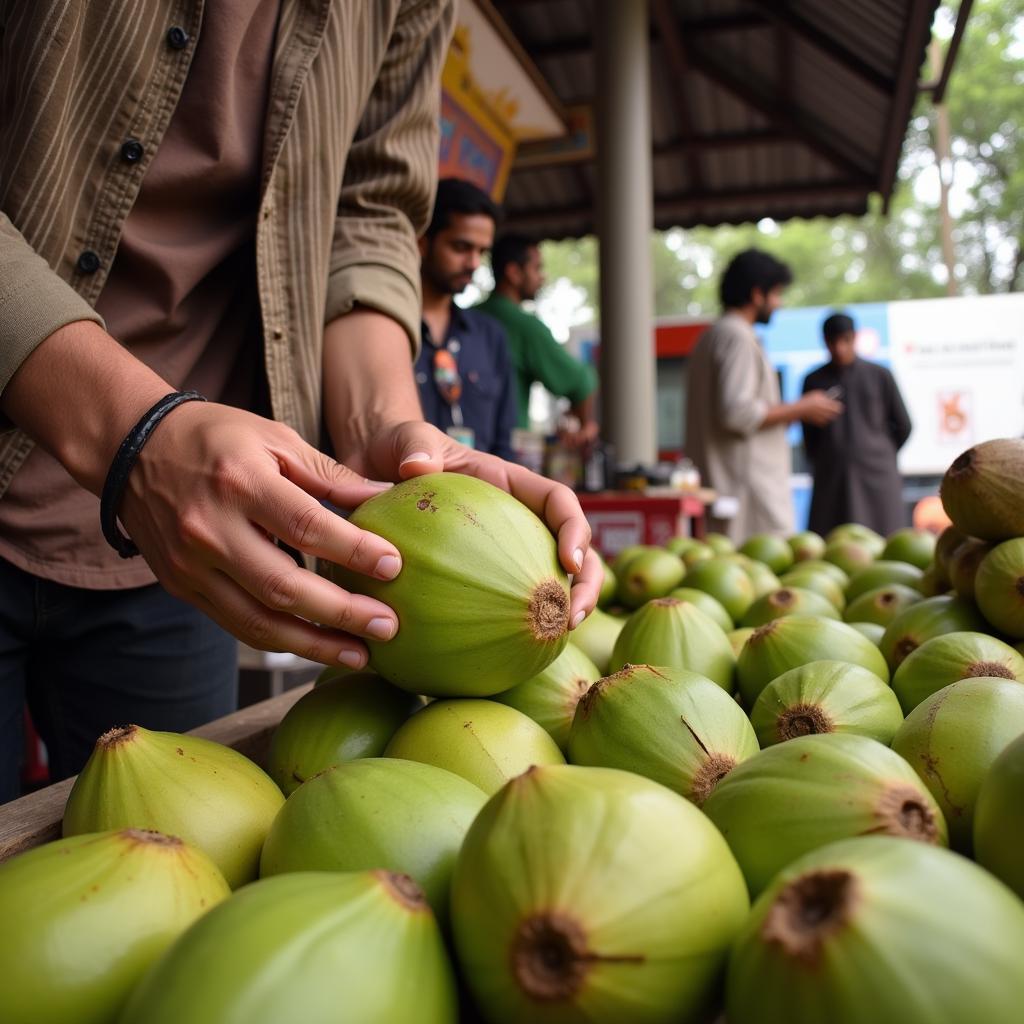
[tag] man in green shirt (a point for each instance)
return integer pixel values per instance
(518, 276)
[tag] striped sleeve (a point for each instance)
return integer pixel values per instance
(391, 174)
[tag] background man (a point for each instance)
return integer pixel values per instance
(537, 356)
(735, 418)
(464, 373)
(853, 457)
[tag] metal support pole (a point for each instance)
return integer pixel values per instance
(625, 219)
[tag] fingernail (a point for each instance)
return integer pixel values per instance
(577, 619)
(417, 457)
(388, 567)
(353, 659)
(577, 558)
(380, 629)
(382, 485)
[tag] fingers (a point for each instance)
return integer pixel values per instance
(277, 583)
(586, 586)
(286, 511)
(241, 614)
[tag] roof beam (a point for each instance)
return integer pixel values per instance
(780, 12)
(675, 51)
(689, 202)
(788, 119)
(915, 28)
(581, 45)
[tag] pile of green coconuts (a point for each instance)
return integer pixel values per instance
(783, 783)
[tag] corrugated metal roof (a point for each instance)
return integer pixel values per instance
(796, 107)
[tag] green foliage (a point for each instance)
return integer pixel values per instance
(878, 257)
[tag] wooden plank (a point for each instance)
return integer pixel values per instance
(36, 818)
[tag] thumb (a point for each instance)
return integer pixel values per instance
(419, 449)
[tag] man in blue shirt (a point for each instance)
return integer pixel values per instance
(464, 373)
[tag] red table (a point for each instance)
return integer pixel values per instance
(621, 518)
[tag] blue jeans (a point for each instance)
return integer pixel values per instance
(89, 660)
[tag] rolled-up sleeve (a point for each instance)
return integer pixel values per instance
(738, 406)
(391, 175)
(34, 301)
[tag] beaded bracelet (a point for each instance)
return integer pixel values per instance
(124, 462)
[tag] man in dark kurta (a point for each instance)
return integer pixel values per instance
(853, 458)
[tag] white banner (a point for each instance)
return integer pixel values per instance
(960, 366)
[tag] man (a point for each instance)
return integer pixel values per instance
(518, 277)
(463, 369)
(735, 418)
(231, 208)
(853, 458)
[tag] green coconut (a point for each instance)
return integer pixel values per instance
(208, 794)
(482, 601)
(806, 546)
(764, 580)
(679, 546)
(850, 555)
(795, 640)
(981, 490)
(788, 601)
(826, 696)
(820, 582)
(595, 636)
(882, 574)
(665, 724)
(676, 634)
(772, 551)
(719, 543)
(999, 587)
(951, 739)
(871, 630)
(711, 606)
(623, 557)
(316, 947)
(483, 741)
(819, 565)
(797, 796)
(726, 582)
(85, 917)
(962, 566)
(999, 818)
(648, 575)
(590, 894)
(934, 581)
(339, 720)
(882, 604)
(609, 584)
(948, 541)
(910, 545)
(948, 658)
(550, 698)
(738, 637)
(380, 812)
(878, 929)
(858, 534)
(924, 620)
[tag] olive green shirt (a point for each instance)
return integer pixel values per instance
(537, 356)
(348, 170)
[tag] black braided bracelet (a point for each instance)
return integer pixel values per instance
(124, 462)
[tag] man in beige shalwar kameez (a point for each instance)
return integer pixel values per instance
(735, 418)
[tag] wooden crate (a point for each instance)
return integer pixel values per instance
(35, 819)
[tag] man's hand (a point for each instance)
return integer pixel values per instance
(816, 408)
(210, 489)
(415, 449)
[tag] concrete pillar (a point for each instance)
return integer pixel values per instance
(625, 221)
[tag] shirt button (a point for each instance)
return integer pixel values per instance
(177, 38)
(88, 262)
(132, 151)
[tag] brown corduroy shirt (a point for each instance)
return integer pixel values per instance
(347, 178)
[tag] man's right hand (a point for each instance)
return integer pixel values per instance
(816, 408)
